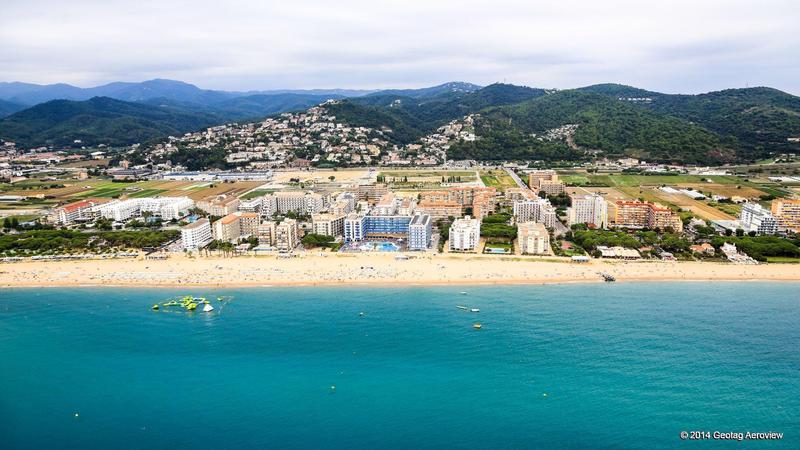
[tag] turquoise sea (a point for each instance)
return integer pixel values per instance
(625, 365)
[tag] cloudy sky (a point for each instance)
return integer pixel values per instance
(674, 46)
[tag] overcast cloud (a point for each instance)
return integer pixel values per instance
(674, 46)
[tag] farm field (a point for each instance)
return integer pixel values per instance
(699, 208)
(323, 176)
(610, 194)
(498, 179)
(97, 188)
(429, 176)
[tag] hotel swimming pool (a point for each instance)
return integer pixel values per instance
(385, 246)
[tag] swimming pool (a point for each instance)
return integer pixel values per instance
(379, 247)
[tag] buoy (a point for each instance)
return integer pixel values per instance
(544, 395)
(333, 388)
(76, 415)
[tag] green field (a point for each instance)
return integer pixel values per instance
(498, 179)
(257, 193)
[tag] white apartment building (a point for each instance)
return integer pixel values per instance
(266, 233)
(533, 238)
(354, 228)
(328, 224)
(754, 217)
(168, 208)
(589, 209)
(535, 210)
(80, 210)
(465, 234)
(196, 235)
(419, 232)
(315, 203)
(286, 237)
(290, 201)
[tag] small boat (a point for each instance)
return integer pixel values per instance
(208, 308)
(462, 307)
(475, 310)
(463, 293)
(477, 326)
(155, 307)
(361, 314)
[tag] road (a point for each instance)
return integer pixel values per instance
(516, 178)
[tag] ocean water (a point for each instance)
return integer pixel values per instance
(625, 365)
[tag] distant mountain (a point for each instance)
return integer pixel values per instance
(7, 108)
(411, 117)
(250, 107)
(453, 87)
(32, 94)
(100, 120)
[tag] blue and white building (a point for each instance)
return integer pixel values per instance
(419, 232)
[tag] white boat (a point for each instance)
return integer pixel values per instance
(462, 307)
(463, 293)
(475, 310)
(208, 308)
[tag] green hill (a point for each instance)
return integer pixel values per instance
(755, 121)
(614, 127)
(99, 120)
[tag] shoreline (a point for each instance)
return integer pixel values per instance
(369, 270)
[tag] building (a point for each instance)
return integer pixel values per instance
(196, 235)
(75, 212)
(235, 226)
(535, 210)
(386, 227)
(787, 213)
(220, 205)
(618, 252)
(167, 208)
(439, 210)
(546, 181)
(636, 214)
(266, 233)
(286, 235)
(328, 224)
(465, 234)
(552, 187)
(590, 209)
(754, 217)
(290, 201)
(533, 238)
(372, 192)
(481, 200)
(537, 176)
(354, 228)
(420, 232)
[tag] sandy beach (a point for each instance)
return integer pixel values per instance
(336, 269)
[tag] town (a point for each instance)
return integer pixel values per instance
(624, 209)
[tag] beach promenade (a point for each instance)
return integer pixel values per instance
(338, 269)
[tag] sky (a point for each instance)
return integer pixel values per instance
(675, 46)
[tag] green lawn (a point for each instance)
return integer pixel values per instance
(257, 193)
